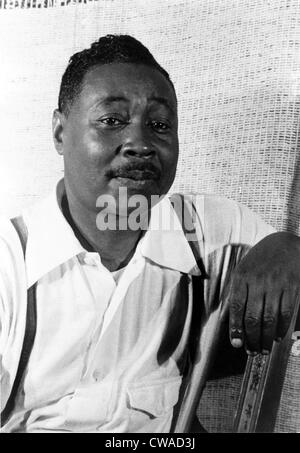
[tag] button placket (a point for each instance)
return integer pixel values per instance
(99, 320)
(118, 296)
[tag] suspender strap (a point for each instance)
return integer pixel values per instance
(186, 213)
(21, 229)
(30, 328)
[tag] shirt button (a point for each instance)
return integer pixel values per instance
(97, 375)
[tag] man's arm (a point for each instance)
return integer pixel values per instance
(13, 306)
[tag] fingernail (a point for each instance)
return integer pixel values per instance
(236, 337)
(236, 342)
(235, 331)
(251, 353)
(265, 352)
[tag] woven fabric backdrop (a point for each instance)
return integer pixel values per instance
(236, 68)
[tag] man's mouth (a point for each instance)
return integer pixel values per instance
(136, 173)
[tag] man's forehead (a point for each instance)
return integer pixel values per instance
(124, 100)
(118, 82)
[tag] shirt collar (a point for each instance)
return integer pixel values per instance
(165, 242)
(52, 242)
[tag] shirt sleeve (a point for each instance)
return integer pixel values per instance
(229, 230)
(13, 305)
(226, 222)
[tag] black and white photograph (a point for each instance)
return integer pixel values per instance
(150, 219)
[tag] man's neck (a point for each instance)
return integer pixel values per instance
(116, 247)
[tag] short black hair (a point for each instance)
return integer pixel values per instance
(108, 49)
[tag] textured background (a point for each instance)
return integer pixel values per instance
(236, 68)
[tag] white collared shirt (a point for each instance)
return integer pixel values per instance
(108, 347)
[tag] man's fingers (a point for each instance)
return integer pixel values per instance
(270, 320)
(288, 300)
(237, 304)
(253, 319)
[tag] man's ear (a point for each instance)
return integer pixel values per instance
(58, 123)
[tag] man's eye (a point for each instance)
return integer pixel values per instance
(159, 126)
(111, 121)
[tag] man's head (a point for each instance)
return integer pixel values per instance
(108, 49)
(116, 124)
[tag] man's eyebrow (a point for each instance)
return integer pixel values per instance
(111, 99)
(163, 101)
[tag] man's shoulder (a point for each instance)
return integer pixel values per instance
(11, 252)
(202, 197)
(226, 221)
(210, 207)
(6, 231)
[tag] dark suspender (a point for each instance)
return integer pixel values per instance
(30, 329)
(186, 215)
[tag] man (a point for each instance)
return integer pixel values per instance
(116, 318)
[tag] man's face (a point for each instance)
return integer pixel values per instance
(122, 131)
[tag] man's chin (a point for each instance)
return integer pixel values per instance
(145, 187)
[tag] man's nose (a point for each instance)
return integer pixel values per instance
(137, 144)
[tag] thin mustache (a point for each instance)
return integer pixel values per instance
(124, 171)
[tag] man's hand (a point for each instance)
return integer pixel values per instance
(264, 291)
